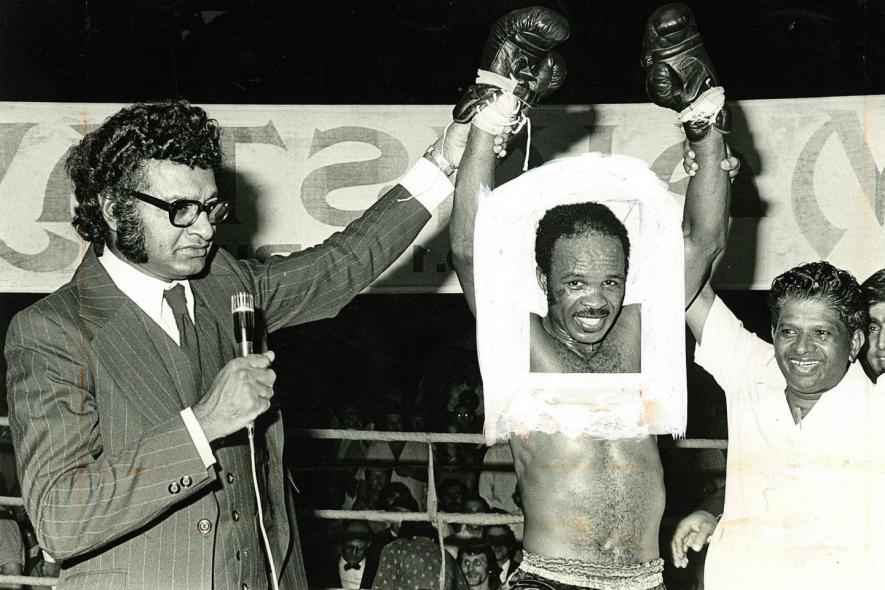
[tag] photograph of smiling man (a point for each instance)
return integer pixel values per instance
(583, 253)
(580, 301)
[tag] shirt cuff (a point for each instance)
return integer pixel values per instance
(427, 184)
(199, 437)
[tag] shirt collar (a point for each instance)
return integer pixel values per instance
(144, 290)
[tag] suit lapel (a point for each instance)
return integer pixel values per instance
(146, 365)
(213, 308)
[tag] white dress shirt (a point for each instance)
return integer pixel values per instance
(351, 578)
(802, 501)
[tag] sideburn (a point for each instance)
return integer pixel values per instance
(130, 233)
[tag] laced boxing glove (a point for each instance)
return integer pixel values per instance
(679, 73)
(517, 59)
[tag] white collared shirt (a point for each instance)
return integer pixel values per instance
(505, 568)
(147, 293)
(351, 578)
(802, 501)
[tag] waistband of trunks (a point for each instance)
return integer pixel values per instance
(640, 576)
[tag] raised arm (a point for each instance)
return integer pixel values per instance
(517, 69)
(681, 77)
(705, 223)
(476, 175)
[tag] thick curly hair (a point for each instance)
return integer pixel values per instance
(109, 161)
(820, 280)
(874, 288)
(568, 221)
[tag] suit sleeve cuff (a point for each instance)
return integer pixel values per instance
(427, 184)
(199, 437)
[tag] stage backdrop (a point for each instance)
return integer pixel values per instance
(811, 186)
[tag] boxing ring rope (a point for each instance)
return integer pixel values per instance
(431, 515)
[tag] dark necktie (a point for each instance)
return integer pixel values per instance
(351, 566)
(187, 333)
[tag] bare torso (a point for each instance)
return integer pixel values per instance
(594, 500)
(598, 501)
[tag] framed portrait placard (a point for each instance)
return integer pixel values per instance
(640, 388)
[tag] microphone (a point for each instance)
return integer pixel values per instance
(242, 308)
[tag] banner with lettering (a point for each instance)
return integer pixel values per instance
(811, 186)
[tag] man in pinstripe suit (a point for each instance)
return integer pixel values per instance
(127, 399)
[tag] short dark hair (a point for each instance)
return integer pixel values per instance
(873, 288)
(356, 529)
(820, 280)
(109, 161)
(568, 221)
(505, 537)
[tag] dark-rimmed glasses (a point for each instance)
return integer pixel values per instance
(184, 212)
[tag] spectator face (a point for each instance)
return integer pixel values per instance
(475, 569)
(875, 350)
(350, 419)
(419, 424)
(452, 498)
(496, 535)
(585, 287)
(463, 418)
(812, 346)
(376, 479)
(354, 550)
(393, 422)
(474, 507)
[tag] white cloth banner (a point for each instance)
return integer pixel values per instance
(601, 405)
(810, 187)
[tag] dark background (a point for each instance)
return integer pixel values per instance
(408, 51)
(415, 52)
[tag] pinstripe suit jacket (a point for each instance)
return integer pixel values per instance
(109, 474)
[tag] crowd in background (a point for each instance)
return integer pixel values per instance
(393, 476)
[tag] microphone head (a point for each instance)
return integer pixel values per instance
(242, 308)
(242, 302)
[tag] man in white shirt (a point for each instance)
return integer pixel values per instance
(805, 462)
(695, 530)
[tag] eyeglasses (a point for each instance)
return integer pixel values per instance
(184, 212)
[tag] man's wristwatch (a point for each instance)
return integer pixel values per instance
(439, 160)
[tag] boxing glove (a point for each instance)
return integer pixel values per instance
(679, 73)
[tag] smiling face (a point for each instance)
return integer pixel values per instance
(812, 346)
(874, 352)
(475, 569)
(585, 288)
(172, 253)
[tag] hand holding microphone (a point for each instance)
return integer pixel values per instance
(242, 389)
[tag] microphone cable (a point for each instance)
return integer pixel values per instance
(242, 307)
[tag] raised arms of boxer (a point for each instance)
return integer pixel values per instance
(519, 51)
(680, 76)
